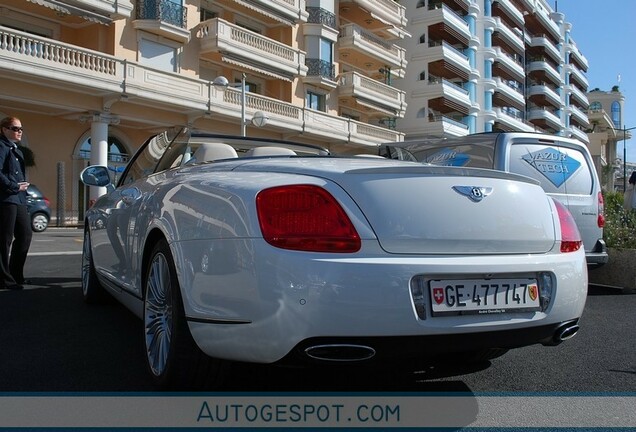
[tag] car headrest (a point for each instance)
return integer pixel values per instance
(269, 151)
(213, 151)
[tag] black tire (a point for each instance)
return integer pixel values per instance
(173, 359)
(92, 290)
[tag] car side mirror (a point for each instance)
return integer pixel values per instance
(96, 175)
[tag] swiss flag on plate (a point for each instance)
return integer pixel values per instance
(438, 295)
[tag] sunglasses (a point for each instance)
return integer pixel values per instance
(15, 128)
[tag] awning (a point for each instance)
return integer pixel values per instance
(58, 6)
(249, 5)
(376, 107)
(256, 68)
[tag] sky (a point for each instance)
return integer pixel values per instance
(605, 32)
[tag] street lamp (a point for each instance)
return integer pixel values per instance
(259, 119)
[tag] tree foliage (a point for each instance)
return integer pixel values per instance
(620, 225)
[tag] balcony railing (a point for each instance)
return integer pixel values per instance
(218, 35)
(162, 10)
(357, 85)
(323, 68)
(319, 15)
(33, 57)
(354, 36)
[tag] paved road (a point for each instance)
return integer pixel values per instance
(51, 341)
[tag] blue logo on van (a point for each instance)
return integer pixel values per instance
(557, 167)
(448, 157)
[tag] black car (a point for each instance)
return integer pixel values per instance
(39, 209)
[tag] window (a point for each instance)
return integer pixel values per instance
(29, 24)
(420, 4)
(423, 76)
(596, 106)
(207, 14)
(326, 50)
(423, 39)
(250, 86)
(315, 101)
(158, 55)
(616, 114)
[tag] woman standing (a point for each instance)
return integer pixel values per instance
(15, 228)
(629, 199)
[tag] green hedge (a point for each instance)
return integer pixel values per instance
(620, 225)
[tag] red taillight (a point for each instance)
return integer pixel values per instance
(601, 211)
(306, 218)
(570, 236)
(47, 201)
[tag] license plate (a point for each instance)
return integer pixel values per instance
(478, 296)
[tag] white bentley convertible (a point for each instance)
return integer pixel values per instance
(239, 249)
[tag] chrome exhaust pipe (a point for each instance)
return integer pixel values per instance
(340, 352)
(566, 332)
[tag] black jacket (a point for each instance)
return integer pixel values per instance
(12, 171)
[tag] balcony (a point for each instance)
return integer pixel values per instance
(511, 120)
(507, 95)
(230, 43)
(322, 16)
(577, 58)
(506, 36)
(366, 51)
(543, 45)
(540, 69)
(544, 118)
(320, 73)
(367, 95)
(577, 77)
(445, 24)
(387, 18)
(440, 125)
(446, 61)
(164, 18)
(578, 97)
(539, 22)
(510, 10)
(578, 116)
(542, 94)
(449, 96)
(579, 134)
(507, 66)
(77, 80)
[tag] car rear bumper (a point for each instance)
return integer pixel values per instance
(263, 303)
(426, 347)
(597, 256)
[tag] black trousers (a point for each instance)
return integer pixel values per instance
(15, 240)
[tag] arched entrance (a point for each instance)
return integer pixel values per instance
(117, 159)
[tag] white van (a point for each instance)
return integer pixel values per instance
(563, 166)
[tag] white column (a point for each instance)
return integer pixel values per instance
(99, 146)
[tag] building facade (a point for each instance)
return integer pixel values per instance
(487, 65)
(92, 79)
(607, 129)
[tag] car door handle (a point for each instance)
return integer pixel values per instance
(129, 196)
